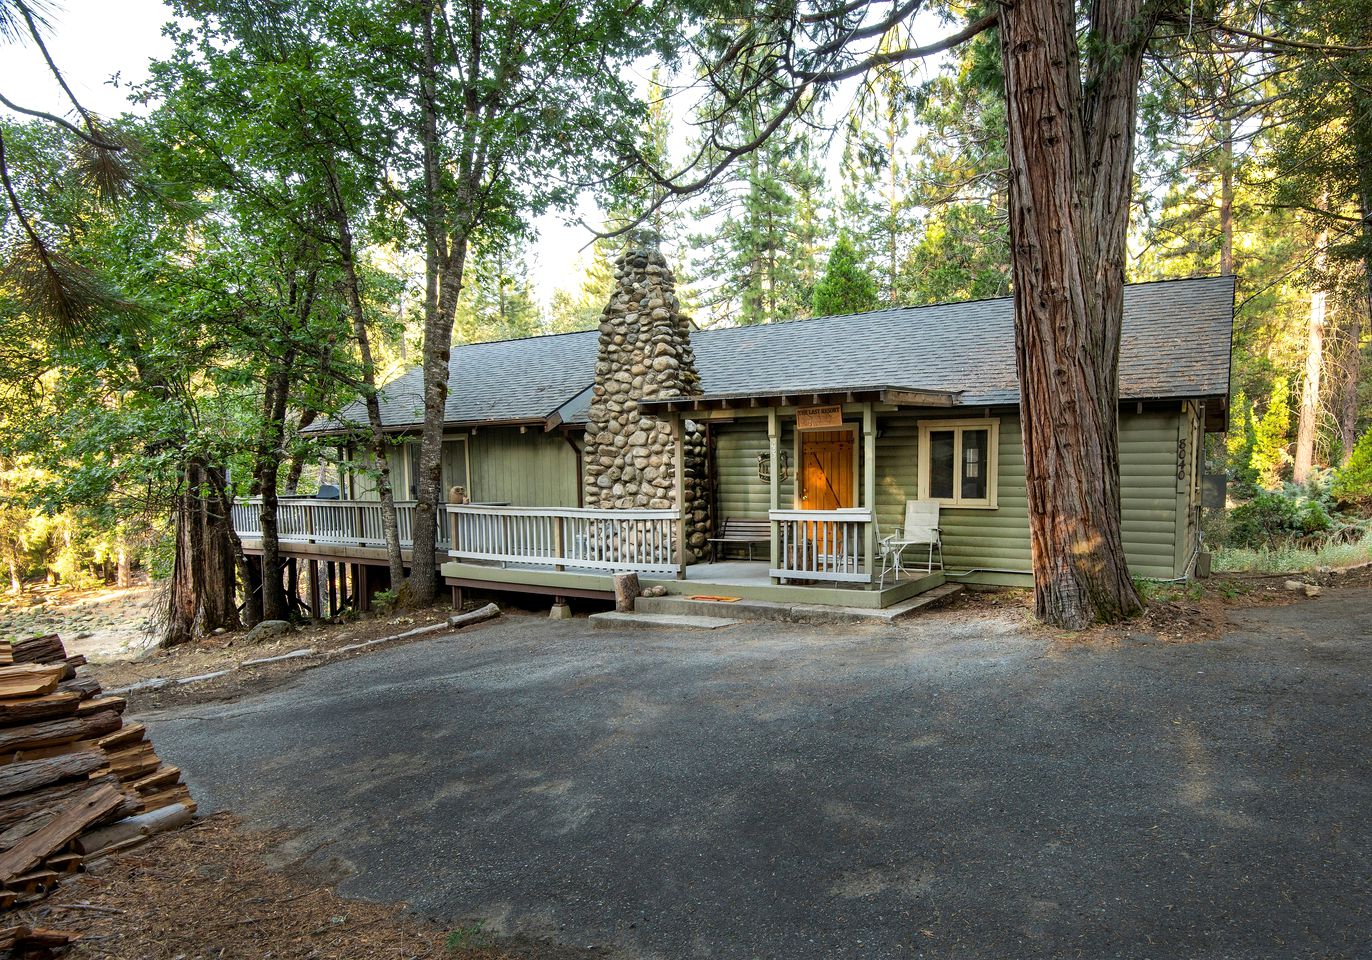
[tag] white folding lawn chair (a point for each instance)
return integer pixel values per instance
(921, 528)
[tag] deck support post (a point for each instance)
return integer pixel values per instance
(331, 574)
(774, 491)
(869, 486)
(679, 453)
(314, 590)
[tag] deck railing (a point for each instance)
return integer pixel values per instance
(353, 523)
(821, 545)
(645, 541)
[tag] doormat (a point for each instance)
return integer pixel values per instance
(716, 599)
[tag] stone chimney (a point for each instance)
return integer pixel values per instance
(645, 353)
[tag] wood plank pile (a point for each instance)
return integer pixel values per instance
(75, 779)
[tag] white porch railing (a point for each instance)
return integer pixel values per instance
(645, 541)
(821, 545)
(354, 523)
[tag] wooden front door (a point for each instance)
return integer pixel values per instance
(826, 470)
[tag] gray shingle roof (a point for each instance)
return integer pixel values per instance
(508, 380)
(1176, 343)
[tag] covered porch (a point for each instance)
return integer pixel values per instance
(817, 474)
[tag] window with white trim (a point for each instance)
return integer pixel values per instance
(957, 462)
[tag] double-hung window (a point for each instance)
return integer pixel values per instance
(957, 462)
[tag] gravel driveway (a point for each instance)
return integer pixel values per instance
(948, 788)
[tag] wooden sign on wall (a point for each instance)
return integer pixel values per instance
(819, 418)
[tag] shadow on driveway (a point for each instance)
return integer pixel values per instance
(941, 789)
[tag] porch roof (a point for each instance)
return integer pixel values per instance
(811, 396)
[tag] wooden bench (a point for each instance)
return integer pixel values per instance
(741, 530)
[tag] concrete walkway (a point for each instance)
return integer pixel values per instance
(947, 788)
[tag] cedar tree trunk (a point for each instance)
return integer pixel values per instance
(1071, 152)
(202, 585)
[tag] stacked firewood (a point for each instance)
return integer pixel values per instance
(75, 779)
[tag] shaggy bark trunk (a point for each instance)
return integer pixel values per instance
(1071, 140)
(202, 588)
(248, 580)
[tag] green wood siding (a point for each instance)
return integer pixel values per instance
(739, 492)
(530, 469)
(996, 538)
(398, 457)
(1154, 509)
(364, 483)
(1148, 492)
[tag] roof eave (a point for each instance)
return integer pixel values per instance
(897, 396)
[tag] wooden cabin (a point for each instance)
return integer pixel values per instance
(823, 429)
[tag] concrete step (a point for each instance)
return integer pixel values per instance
(792, 612)
(642, 619)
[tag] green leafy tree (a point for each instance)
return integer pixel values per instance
(1241, 440)
(499, 111)
(1272, 437)
(845, 287)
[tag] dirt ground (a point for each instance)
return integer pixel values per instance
(103, 623)
(217, 890)
(1176, 613)
(229, 650)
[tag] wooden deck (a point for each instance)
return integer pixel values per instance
(743, 579)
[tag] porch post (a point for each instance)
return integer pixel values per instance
(679, 454)
(774, 451)
(869, 485)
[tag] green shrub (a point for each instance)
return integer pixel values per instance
(1353, 482)
(1278, 516)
